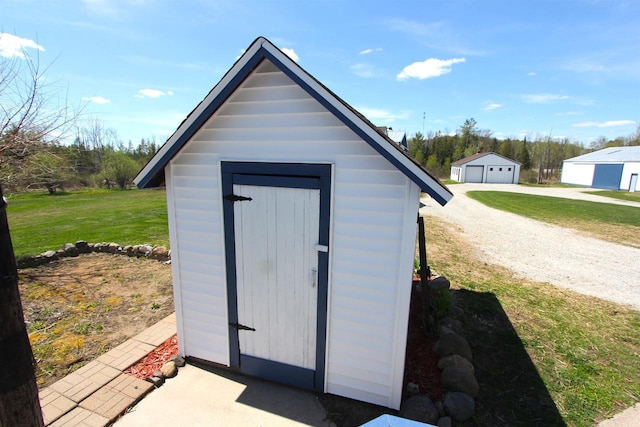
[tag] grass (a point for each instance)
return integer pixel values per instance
(620, 195)
(615, 223)
(543, 355)
(40, 222)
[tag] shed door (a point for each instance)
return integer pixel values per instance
(474, 174)
(277, 267)
(500, 174)
(277, 261)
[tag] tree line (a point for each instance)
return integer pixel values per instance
(541, 157)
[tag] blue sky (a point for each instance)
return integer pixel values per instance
(566, 68)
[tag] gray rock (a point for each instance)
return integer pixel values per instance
(455, 360)
(83, 246)
(440, 408)
(178, 360)
(419, 408)
(413, 388)
(439, 283)
(156, 381)
(459, 406)
(70, 249)
(145, 250)
(49, 254)
(444, 422)
(451, 343)
(169, 369)
(113, 247)
(460, 379)
(452, 324)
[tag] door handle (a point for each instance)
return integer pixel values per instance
(314, 277)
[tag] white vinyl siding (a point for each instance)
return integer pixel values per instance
(271, 119)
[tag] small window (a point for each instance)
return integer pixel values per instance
(500, 170)
(509, 169)
(491, 169)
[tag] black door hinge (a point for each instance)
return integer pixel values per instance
(240, 327)
(234, 198)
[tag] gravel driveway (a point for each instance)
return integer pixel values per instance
(543, 252)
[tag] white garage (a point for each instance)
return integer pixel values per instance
(614, 168)
(488, 168)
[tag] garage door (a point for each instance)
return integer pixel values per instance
(474, 174)
(500, 174)
(607, 176)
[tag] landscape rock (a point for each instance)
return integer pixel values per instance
(49, 254)
(413, 388)
(83, 247)
(159, 252)
(419, 408)
(145, 249)
(455, 360)
(459, 406)
(178, 360)
(453, 324)
(169, 369)
(439, 283)
(113, 247)
(460, 379)
(156, 381)
(444, 422)
(70, 249)
(452, 343)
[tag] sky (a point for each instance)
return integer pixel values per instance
(559, 68)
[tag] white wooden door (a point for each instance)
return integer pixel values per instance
(276, 234)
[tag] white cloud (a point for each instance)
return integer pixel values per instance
(13, 46)
(543, 98)
(570, 113)
(432, 67)
(291, 54)
(97, 100)
(368, 51)
(488, 106)
(363, 70)
(377, 115)
(152, 93)
(607, 124)
(532, 73)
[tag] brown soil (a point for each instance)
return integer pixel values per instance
(78, 308)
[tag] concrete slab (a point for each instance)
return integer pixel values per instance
(206, 397)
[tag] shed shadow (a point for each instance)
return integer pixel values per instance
(512, 393)
(302, 406)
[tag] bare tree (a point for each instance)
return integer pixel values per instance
(29, 117)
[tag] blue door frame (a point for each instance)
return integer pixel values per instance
(296, 175)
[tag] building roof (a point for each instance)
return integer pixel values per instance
(609, 155)
(479, 155)
(152, 175)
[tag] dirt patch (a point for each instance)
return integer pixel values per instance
(78, 308)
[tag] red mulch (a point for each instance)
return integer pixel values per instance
(420, 363)
(154, 360)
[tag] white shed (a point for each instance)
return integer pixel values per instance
(293, 228)
(614, 168)
(488, 168)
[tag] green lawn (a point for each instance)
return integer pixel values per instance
(543, 355)
(616, 223)
(40, 222)
(620, 195)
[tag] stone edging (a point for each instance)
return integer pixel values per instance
(457, 374)
(159, 253)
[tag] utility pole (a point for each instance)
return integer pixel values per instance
(423, 117)
(19, 402)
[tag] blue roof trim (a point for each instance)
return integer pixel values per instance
(355, 128)
(154, 176)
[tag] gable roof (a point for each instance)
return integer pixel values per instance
(610, 155)
(152, 175)
(479, 155)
